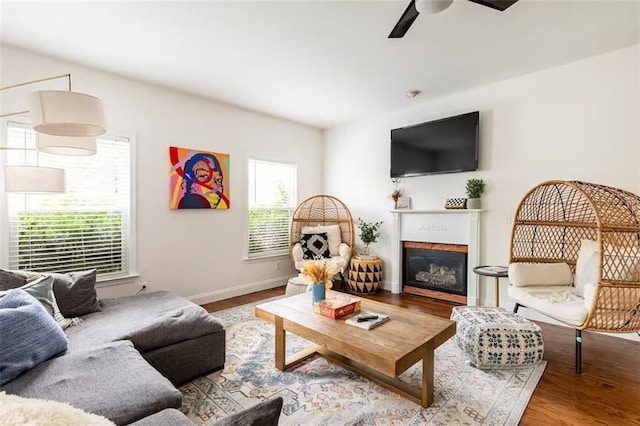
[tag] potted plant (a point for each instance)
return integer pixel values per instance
(369, 233)
(397, 193)
(474, 188)
(320, 274)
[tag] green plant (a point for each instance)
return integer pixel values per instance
(474, 188)
(397, 193)
(369, 231)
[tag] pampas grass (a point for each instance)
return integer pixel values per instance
(319, 272)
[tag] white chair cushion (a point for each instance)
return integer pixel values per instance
(586, 267)
(333, 235)
(558, 302)
(540, 274)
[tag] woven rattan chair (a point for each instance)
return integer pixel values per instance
(322, 210)
(550, 223)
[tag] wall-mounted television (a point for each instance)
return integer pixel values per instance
(448, 145)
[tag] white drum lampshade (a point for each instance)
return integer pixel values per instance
(432, 6)
(34, 179)
(66, 145)
(62, 113)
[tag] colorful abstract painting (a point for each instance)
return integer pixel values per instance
(198, 179)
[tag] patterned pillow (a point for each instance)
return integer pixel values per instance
(315, 246)
(29, 335)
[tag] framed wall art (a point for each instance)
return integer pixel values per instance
(198, 179)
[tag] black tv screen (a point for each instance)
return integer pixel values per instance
(448, 145)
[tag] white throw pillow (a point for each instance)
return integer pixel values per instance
(16, 410)
(586, 266)
(537, 274)
(589, 293)
(333, 235)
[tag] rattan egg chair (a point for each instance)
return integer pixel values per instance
(551, 221)
(322, 210)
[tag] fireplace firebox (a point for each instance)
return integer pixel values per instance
(438, 268)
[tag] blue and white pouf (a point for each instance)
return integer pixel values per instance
(497, 338)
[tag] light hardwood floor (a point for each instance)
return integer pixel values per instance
(607, 393)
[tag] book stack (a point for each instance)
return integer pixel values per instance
(367, 320)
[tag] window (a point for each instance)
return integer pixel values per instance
(272, 200)
(87, 227)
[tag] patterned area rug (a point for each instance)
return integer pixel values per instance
(319, 393)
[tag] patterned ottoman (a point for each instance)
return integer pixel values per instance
(497, 338)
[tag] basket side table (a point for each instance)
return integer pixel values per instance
(365, 275)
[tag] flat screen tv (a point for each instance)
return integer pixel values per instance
(448, 145)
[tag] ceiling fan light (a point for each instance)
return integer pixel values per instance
(62, 113)
(34, 179)
(432, 6)
(66, 145)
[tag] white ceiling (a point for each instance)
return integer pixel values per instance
(318, 62)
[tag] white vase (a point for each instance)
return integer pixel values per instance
(473, 203)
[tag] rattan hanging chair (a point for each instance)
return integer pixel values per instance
(550, 223)
(321, 210)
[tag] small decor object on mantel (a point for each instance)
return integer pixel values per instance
(403, 203)
(474, 188)
(455, 203)
(369, 233)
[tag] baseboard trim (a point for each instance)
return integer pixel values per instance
(226, 293)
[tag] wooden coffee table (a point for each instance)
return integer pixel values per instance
(379, 355)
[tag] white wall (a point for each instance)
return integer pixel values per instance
(579, 121)
(192, 253)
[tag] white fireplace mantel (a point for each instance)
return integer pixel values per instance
(437, 226)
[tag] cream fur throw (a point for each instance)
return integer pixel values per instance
(18, 411)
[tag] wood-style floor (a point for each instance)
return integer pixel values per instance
(607, 393)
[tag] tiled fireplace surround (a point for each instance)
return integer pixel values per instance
(437, 226)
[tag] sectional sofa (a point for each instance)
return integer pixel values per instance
(124, 360)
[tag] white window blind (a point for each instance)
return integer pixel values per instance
(272, 200)
(88, 226)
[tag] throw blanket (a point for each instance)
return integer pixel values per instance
(18, 411)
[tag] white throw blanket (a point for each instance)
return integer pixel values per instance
(18, 411)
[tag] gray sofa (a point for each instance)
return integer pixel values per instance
(123, 362)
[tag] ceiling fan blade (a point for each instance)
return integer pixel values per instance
(404, 23)
(500, 5)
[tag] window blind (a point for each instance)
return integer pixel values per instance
(88, 226)
(272, 200)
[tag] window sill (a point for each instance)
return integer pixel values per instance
(266, 257)
(111, 281)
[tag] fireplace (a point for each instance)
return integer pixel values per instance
(435, 270)
(437, 226)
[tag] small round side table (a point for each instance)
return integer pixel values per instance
(365, 275)
(493, 271)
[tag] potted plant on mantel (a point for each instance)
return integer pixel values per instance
(369, 233)
(474, 188)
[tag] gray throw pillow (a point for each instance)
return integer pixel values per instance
(15, 279)
(42, 290)
(76, 293)
(29, 335)
(266, 413)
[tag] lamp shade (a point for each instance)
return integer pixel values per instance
(61, 113)
(432, 6)
(33, 179)
(66, 145)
